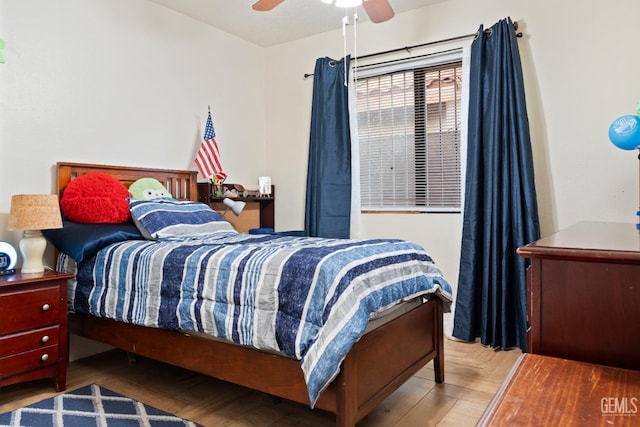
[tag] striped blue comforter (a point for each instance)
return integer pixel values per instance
(308, 298)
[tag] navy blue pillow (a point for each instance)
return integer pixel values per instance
(82, 241)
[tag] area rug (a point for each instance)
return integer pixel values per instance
(90, 406)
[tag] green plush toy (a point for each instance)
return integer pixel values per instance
(147, 189)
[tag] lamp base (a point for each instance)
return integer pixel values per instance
(32, 246)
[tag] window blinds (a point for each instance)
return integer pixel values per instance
(408, 122)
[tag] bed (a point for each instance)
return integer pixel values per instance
(376, 364)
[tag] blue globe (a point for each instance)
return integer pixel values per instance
(624, 132)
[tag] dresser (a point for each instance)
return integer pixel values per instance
(547, 391)
(33, 328)
(583, 299)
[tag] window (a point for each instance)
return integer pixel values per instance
(409, 132)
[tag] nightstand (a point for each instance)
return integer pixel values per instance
(33, 327)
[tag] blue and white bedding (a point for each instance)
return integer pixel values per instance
(308, 298)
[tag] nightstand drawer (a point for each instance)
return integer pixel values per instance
(28, 361)
(29, 309)
(30, 340)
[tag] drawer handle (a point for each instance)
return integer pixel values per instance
(45, 357)
(45, 339)
(45, 307)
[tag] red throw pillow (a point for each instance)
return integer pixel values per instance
(96, 198)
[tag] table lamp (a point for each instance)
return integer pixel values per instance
(236, 206)
(32, 213)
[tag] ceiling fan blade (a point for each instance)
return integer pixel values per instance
(265, 5)
(378, 10)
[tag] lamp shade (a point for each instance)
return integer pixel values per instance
(34, 212)
(235, 206)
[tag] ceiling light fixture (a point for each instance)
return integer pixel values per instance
(344, 3)
(348, 3)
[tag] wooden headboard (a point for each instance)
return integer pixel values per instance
(182, 184)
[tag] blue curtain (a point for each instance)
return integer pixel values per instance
(500, 211)
(328, 204)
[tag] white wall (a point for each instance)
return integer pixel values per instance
(123, 82)
(581, 71)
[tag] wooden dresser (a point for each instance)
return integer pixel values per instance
(584, 294)
(33, 328)
(546, 391)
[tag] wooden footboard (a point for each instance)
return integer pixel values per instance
(375, 367)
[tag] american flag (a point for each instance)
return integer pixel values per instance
(208, 158)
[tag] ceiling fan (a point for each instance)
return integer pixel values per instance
(377, 10)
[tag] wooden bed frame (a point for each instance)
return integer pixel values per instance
(376, 366)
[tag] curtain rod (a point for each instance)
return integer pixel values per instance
(416, 46)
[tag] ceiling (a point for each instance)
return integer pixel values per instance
(291, 20)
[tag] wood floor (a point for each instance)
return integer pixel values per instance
(473, 375)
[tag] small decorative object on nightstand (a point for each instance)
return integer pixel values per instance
(8, 258)
(33, 328)
(264, 186)
(32, 213)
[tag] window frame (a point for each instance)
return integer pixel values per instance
(435, 59)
